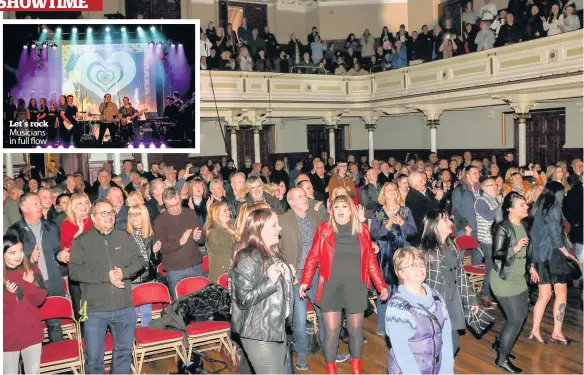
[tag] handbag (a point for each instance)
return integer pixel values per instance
(575, 268)
(195, 366)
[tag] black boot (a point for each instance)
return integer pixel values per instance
(506, 365)
(495, 347)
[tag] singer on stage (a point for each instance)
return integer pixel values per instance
(108, 114)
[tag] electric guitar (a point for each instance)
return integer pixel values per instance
(125, 120)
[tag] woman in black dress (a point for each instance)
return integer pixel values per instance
(549, 260)
(33, 111)
(343, 252)
(51, 118)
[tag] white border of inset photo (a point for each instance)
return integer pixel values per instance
(116, 22)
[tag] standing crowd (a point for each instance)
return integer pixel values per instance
(324, 233)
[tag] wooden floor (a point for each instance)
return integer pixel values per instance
(475, 356)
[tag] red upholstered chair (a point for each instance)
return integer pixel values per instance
(205, 264)
(190, 285)
(476, 272)
(207, 335)
(223, 280)
(160, 270)
(66, 355)
(150, 342)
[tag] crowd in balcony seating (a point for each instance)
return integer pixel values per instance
(108, 236)
(253, 49)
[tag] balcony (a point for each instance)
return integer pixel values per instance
(541, 70)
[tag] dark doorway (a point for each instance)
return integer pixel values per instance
(546, 136)
(318, 141)
(245, 144)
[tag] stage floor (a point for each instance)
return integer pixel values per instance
(475, 356)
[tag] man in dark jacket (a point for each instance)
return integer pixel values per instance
(507, 163)
(320, 181)
(41, 240)
(463, 200)
(510, 33)
(104, 261)
(257, 195)
(426, 42)
(370, 193)
(420, 200)
(116, 198)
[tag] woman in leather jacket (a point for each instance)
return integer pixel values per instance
(140, 228)
(512, 260)
(339, 246)
(261, 293)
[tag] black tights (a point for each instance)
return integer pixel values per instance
(332, 329)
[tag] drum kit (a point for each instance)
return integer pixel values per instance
(91, 123)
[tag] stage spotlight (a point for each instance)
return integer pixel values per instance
(162, 145)
(159, 43)
(60, 147)
(45, 30)
(152, 28)
(123, 29)
(131, 145)
(45, 45)
(173, 45)
(141, 145)
(107, 29)
(152, 145)
(151, 43)
(25, 46)
(139, 28)
(34, 45)
(50, 147)
(180, 45)
(71, 146)
(89, 30)
(74, 29)
(58, 29)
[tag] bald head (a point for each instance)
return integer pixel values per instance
(298, 201)
(301, 177)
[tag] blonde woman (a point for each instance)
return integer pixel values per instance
(140, 228)
(557, 173)
(533, 193)
(509, 173)
(135, 198)
(391, 227)
(343, 252)
(77, 222)
(244, 211)
(219, 232)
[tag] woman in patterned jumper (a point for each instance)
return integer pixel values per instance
(417, 321)
(391, 226)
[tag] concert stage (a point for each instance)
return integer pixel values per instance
(115, 85)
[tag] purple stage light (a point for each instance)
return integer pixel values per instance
(141, 145)
(25, 46)
(60, 147)
(71, 146)
(131, 145)
(152, 145)
(162, 145)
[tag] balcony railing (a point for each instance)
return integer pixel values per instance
(546, 62)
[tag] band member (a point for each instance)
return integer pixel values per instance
(128, 115)
(69, 121)
(176, 100)
(108, 111)
(170, 110)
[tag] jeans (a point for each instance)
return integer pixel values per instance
(54, 330)
(475, 255)
(266, 357)
(515, 309)
(488, 251)
(299, 322)
(122, 324)
(31, 357)
(145, 312)
(173, 277)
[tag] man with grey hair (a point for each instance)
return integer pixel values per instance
(180, 233)
(257, 194)
(236, 195)
(116, 198)
(420, 200)
(103, 183)
(320, 181)
(316, 205)
(577, 168)
(11, 211)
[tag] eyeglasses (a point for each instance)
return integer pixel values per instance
(171, 206)
(107, 213)
(135, 214)
(415, 265)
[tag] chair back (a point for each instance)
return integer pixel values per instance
(65, 285)
(150, 293)
(223, 280)
(190, 285)
(56, 308)
(205, 264)
(465, 242)
(160, 270)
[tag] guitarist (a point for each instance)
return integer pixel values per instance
(69, 122)
(108, 113)
(128, 115)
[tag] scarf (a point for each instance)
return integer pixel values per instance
(141, 243)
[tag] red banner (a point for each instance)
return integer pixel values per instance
(51, 5)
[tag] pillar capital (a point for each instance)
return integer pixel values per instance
(257, 129)
(232, 128)
(430, 111)
(522, 117)
(519, 103)
(370, 127)
(432, 124)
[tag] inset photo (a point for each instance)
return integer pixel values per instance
(108, 85)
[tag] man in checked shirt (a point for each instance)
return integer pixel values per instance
(108, 114)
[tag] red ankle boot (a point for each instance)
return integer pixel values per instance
(356, 366)
(331, 368)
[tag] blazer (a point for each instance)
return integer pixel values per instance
(420, 204)
(322, 254)
(319, 187)
(290, 239)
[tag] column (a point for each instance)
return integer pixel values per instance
(433, 125)
(370, 130)
(144, 159)
(332, 152)
(117, 163)
(522, 117)
(9, 167)
(233, 130)
(256, 144)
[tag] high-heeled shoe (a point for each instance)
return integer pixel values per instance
(533, 338)
(495, 348)
(561, 342)
(331, 368)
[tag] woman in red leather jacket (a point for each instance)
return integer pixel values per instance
(339, 246)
